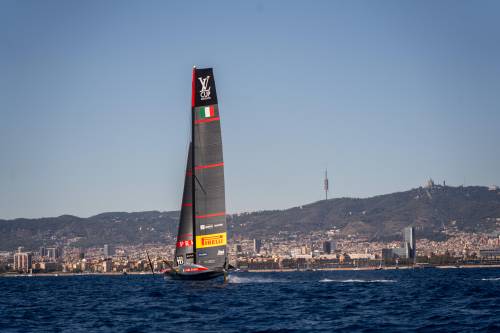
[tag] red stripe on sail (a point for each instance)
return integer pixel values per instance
(208, 166)
(208, 120)
(189, 173)
(187, 205)
(210, 215)
(193, 99)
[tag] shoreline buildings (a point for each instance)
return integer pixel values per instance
(408, 249)
(316, 250)
(257, 245)
(23, 261)
(329, 247)
(108, 251)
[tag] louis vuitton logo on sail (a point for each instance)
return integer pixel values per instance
(205, 89)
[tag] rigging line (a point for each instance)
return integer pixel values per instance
(196, 178)
(150, 263)
(168, 264)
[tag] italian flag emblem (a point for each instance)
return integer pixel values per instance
(207, 112)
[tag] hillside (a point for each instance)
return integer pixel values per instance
(106, 228)
(430, 210)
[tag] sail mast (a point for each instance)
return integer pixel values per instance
(193, 102)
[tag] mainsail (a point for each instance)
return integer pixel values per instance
(184, 247)
(208, 173)
(207, 238)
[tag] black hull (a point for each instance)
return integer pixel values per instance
(191, 276)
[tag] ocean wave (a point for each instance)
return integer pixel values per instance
(239, 279)
(358, 281)
(491, 279)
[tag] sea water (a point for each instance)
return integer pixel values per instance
(444, 300)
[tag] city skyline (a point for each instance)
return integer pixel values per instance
(93, 112)
(324, 251)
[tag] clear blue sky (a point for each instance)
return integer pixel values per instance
(94, 99)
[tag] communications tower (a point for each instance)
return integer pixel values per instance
(325, 186)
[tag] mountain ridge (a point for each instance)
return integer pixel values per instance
(430, 209)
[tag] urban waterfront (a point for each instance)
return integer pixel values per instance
(442, 300)
(318, 250)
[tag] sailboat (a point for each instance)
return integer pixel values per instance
(200, 252)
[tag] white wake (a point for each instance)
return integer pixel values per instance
(256, 279)
(358, 281)
(491, 279)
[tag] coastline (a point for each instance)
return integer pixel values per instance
(60, 274)
(327, 269)
(286, 270)
(372, 268)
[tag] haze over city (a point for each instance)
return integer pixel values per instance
(94, 100)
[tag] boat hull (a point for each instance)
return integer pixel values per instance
(194, 276)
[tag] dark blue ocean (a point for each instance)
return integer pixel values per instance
(441, 300)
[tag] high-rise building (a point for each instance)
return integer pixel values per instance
(408, 249)
(257, 244)
(238, 249)
(107, 266)
(53, 253)
(329, 247)
(108, 250)
(81, 254)
(43, 251)
(409, 233)
(23, 261)
(397, 252)
(83, 265)
(402, 252)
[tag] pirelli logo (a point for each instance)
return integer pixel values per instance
(210, 240)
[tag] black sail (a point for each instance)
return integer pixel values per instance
(184, 252)
(210, 230)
